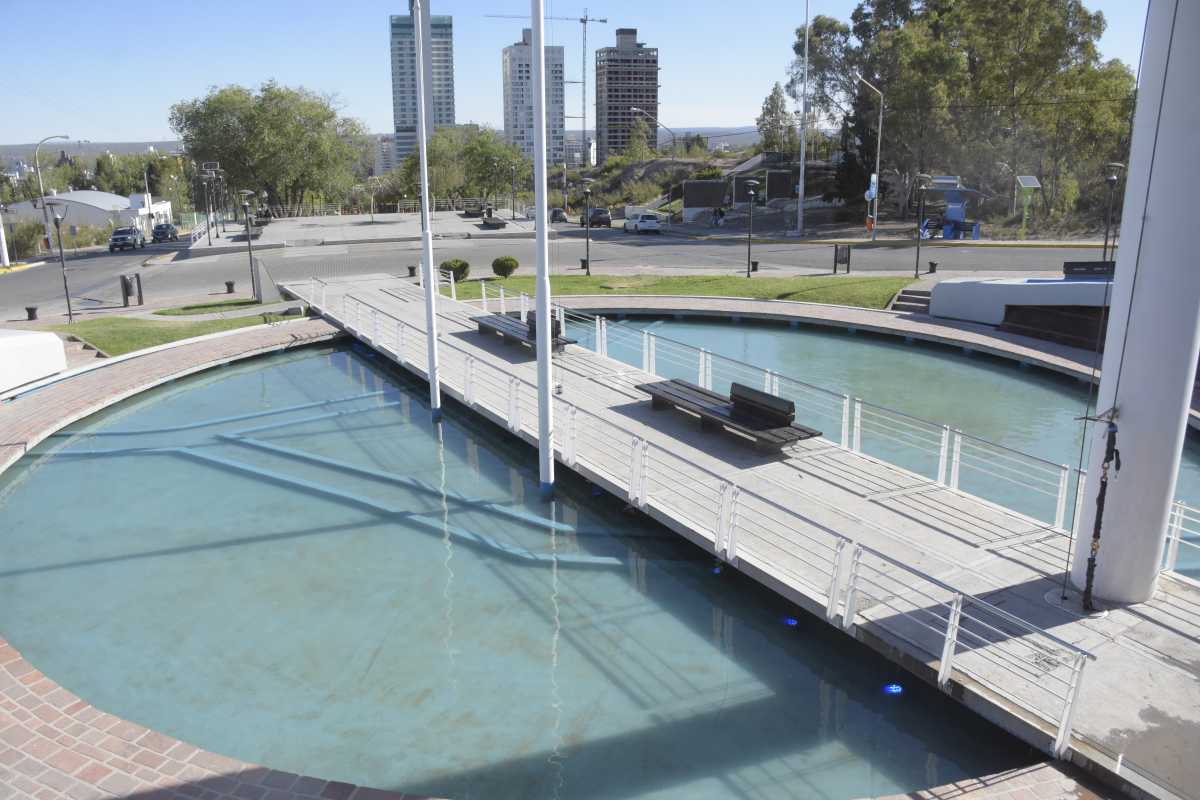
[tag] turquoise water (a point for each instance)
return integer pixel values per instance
(1027, 409)
(346, 590)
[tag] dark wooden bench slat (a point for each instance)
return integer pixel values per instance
(514, 330)
(717, 410)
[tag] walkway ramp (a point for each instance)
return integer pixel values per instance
(959, 590)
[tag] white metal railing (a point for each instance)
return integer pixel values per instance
(966, 636)
(446, 279)
(1026, 484)
(1183, 536)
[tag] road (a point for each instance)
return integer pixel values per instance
(94, 278)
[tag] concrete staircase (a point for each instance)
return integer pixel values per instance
(912, 301)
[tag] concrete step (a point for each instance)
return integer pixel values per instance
(916, 308)
(916, 293)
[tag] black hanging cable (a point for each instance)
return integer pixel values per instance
(1112, 456)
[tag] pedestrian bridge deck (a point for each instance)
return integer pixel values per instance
(961, 591)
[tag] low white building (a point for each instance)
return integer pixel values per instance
(98, 209)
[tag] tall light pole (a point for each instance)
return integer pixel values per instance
(922, 186)
(587, 216)
(1114, 169)
(654, 119)
(878, 151)
(424, 49)
(803, 130)
(544, 333)
(514, 190)
(62, 259)
(37, 166)
(254, 276)
(751, 185)
(3, 244)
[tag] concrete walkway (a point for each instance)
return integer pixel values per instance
(1138, 715)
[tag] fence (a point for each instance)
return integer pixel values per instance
(1183, 535)
(938, 454)
(859, 586)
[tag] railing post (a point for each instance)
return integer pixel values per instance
(503, 302)
(852, 590)
(524, 305)
(950, 644)
(637, 473)
(1174, 531)
(1062, 742)
(324, 289)
(645, 351)
(374, 326)
(1080, 474)
(571, 437)
(562, 318)
(856, 440)
(831, 599)
(453, 286)
(943, 455)
(1060, 507)
(483, 296)
(955, 459)
(653, 352)
(598, 319)
(603, 336)
(845, 420)
(705, 376)
(400, 342)
(514, 405)
(767, 381)
(312, 290)
(469, 382)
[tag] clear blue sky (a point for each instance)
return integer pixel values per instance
(91, 71)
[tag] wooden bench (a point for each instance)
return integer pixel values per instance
(512, 330)
(763, 418)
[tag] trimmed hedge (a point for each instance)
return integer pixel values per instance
(505, 266)
(460, 268)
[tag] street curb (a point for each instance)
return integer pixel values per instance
(20, 267)
(896, 243)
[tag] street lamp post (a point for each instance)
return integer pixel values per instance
(514, 190)
(922, 186)
(1114, 168)
(654, 119)
(878, 152)
(803, 129)
(62, 258)
(246, 195)
(587, 216)
(37, 166)
(751, 185)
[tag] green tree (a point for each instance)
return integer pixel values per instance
(289, 142)
(638, 148)
(777, 125)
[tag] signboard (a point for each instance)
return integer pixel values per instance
(704, 194)
(873, 189)
(210, 166)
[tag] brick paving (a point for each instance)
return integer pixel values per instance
(57, 746)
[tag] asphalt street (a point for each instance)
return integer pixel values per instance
(94, 281)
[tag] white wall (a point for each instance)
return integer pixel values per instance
(27, 356)
(983, 300)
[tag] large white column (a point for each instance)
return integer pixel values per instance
(428, 277)
(1154, 329)
(3, 245)
(542, 252)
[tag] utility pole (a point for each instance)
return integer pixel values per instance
(37, 166)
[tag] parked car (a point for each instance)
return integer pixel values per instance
(126, 238)
(165, 232)
(641, 223)
(600, 219)
(558, 215)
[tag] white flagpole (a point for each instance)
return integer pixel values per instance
(541, 250)
(427, 273)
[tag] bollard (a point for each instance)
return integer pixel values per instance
(412, 271)
(137, 278)
(932, 267)
(754, 266)
(583, 263)
(228, 287)
(124, 279)
(31, 313)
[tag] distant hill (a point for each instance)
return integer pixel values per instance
(86, 149)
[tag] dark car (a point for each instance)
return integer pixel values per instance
(165, 232)
(558, 215)
(126, 239)
(600, 219)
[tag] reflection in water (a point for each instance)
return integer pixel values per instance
(555, 759)
(448, 544)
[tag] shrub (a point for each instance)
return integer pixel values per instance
(460, 268)
(505, 266)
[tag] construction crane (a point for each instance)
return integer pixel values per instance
(583, 22)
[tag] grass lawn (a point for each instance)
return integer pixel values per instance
(119, 335)
(207, 308)
(847, 291)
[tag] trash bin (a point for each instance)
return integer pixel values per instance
(229, 287)
(754, 266)
(412, 271)
(31, 312)
(932, 267)
(583, 263)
